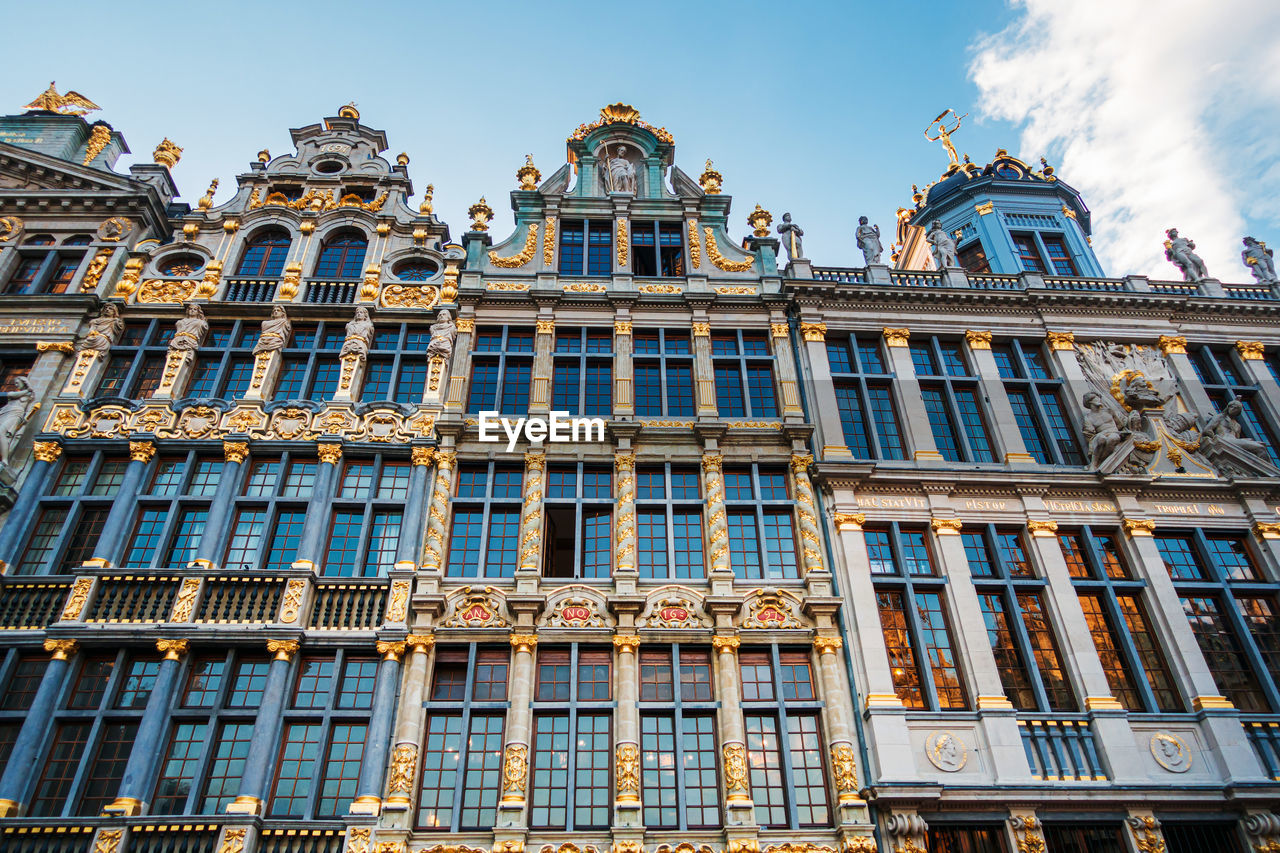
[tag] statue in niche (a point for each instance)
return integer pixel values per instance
(1223, 431)
(868, 237)
(276, 332)
(190, 330)
(1260, 261)
(942, 246)
(618, 174)
(443, 333)
(103, 330)
(1179, 251)
(791, 234)
(359, 335)
(18, 408)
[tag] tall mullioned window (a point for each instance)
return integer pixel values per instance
(582, 372)
(911, 596)
(1044, 252)
(579, 522)
(342, 256)
(46, 267)
(864, 396)
(270, 511)
(501, 370)
(264, 254)
(71, 514)
(1036, 398)
(761, 520)
(572, 757)
(1014, 604)
(1225, 379)
(657, 248)
(136, 362)
(1232, 608)
(397, 365)
(669, 522)
(172, 510)
(743, 365)
(781, 711)
(462, 746)
(678, 745)
(586, 247)
(20, 676)
(484, 540)
(952, 401)
(364, 529)
(1112, 599)
(663, 373)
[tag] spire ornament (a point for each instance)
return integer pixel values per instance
(206, 200)
(427, 206)
(759, 220)
(710, 180)
(528, 174)
(480, 214)
(167, 154)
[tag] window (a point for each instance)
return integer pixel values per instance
(1036, 398)
(484, 539)
(864, 397)
(1028, 252)
(1225, 379)
(501, 371)
(572, 763)
(418, 269)
(397, 365)
(743, 367)
(172, 511)
(1059, 257)
(582, 372)
(657, 248)
(71, 515)
(678, 745)
(41, 268)
(1092, 837)
(1219, 836)
(913, 615)
(1232, 610)
(669, 522)
(762, 537)
(1014, 608)
(270, 512)
(952, 401)
(780, 712)
(461, 778)
(364, 531)
(579, 522)
(586, 247)
(977, 838)
(973, 257)
(662, 368)
(1111, 598)
(342, 256)
(20, 675)
(265, 254)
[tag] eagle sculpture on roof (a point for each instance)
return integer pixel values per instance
(65, 105)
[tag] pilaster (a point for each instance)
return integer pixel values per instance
(311, 541)
(515, 756)
(543, 366)
(704, 377)
(119, 521)
(256, 776)
(402, 776)
(433, 553)
(785, 361)
(627, 751)
(624, 403)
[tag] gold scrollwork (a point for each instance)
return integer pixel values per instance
(695, 248)
(233, 840)
(549, 241)
(845, 766)
(735, 772)
(623, 258)
(186, 600)
(292, 600)
(158, 291)
(526, 254)
(515, 769)
(721, 262)
(398, 605)
(74, 607)
(627, 758)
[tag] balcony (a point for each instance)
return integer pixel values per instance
(250, 290)
(1061, 749)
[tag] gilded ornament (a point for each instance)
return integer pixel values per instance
(622, 327)
(107, 840)
(759, 220)
(627, 770)
(1144, 831)
(141, 451)
(419, 643)
(422, 455)
(291, 282)
(480, 214)
(1139, 526)
(1170, 752)
(398, 605)
(726, 645)
(235, 451)
(659, 288)
(524, 642)
(735, 772)
(743, 845)
(185, 603)
(721, 262)
(735, 290)
(427, 206)
(9, 226)
(1250, 350)
(330, 453)
(628, 847)
(515, 769)
(405, 296)
(76, 601)
(710, 180)
(626, 644)
(528, 174)
(585, 287)
(798, 847)
(1172, 345)
(508, 286)
(357, 839)
(282, 649)
(984, 209)
(167, 154)
(98, 140)
(511, 845)
(206, 201)
(859, 844)
(849, 520)
(69, 104)
(978, 340)
(896, 337)
(173, 649)
(157, 291)
(845, 766)
(60, 649)
(93, 272)
(827, 645)
(775, 610)
(800, 462)
(813, 331)
(946, 526)
(391, 650)
(695, 248)
(1031, 839)
(369, 284)
(292, 600)
(1061, 340)
(1042, 528)
(701, 330)
(46, 451)
(622, 243)
(946, 751)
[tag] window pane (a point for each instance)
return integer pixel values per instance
(764, 765)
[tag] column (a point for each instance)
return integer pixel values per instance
(18, 523)
(217, 526)
(22, 758)
(1174, 348)
(1256, 371)
(811, 547)
(732, 731)
(409, 716)
(460, 369)
(540, 385)
(844, 765)
(140, 773)
(830, 429)
(1062, 352)
(915, 420)
(785, 360)
(627, 799)
(266, 731)
(438, 512)
(177, 370)
(704, 376)
(415, 507)
(717, 524)
(625, 536)
(120, 519)
(311, 543)
(515, 756)
(531, 515)
(1004, 426)
(624, 401)
(377, 739)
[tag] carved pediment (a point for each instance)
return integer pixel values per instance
(472, 607)
(673, 607)
(576, 606)
(776, 608)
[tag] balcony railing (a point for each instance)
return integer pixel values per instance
(31, 604)
(240, 599)
(348, 606)
(330, 292)
(1264, 736)
(984, 281)
(1189, 288)
(1061, 283)
(843, 275)
(916, 278)
(131, 598)
(1061, 749)
(250, 290)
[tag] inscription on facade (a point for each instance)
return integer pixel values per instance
(1079, 506)
(904, 502)
(35, 326)
(1190, 509)
(986, 504)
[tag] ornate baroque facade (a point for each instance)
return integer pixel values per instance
(855, 559)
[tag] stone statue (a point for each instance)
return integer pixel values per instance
(942, 246)
(868, 237)
(189, 332)
(1259, 259)
(1179, 251)
(618, 173)
(1183, 426)
(359, 335)
(1102, 428)
(18, 408)
(103, 330)
(275, 332)
(1224, 431)
(443, 331)
(791, 234)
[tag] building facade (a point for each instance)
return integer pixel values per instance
(326, 533)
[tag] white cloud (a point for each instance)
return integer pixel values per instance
(1161, 115)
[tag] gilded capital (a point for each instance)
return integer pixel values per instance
(546, 327)
(524, 642)
(849, 520)
(142, 451)
(445, 458)
(827, 645)
(60, 649)
(1139, 526)
(712, 462)
(725, 645)
(46, 451)
(701, 330)
(391, 650)
(897, 337)
(1266, 529)
(235, 451)
(420, 642)
(779, 330)
(535, 461)
(978, 340)
(626, 644)
(1250, 350)
(622, 327)
(55, 346)
(1061, 340)
(1042, 528)
(173, 649)
(283, 649)
(814, 331)
(466, 325)
(1172, 344)
(946, 526)
(330, 453)
(422, 455)
(626, 461)
(800, 462)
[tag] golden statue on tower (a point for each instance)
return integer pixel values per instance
(70, 104)
(944, 133)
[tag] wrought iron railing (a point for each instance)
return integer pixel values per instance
(1061, 749)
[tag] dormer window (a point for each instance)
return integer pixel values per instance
(265, 254)
(657, 248)
(342, 256)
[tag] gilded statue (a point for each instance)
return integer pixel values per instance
(103, 330)
(618, 173)
(1260, 261)
(944, 133)
(18, 408)
(868, 237)
(359, 335)
(1179, 251)
(443, 333)
(70, 104)
(276, 332)
(791, 234)
(189, 332)
(942, 246)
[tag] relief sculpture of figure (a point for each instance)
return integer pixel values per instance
(18, 408)
(1102, 429)
(1223, 431)
(1260, 261)
(868, 237)
(618, 173)
(943, 247)
(443, 332)
(359, 335)
(103, 330)
(791, 234)
(275, 332)
(1179, 251)
(189, 331)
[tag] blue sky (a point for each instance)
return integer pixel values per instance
(814, 108)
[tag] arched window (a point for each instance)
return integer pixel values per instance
(342, 256)
(264, 257)
(416, 270)
(78, 240)
(46, 270)
(181, 265)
